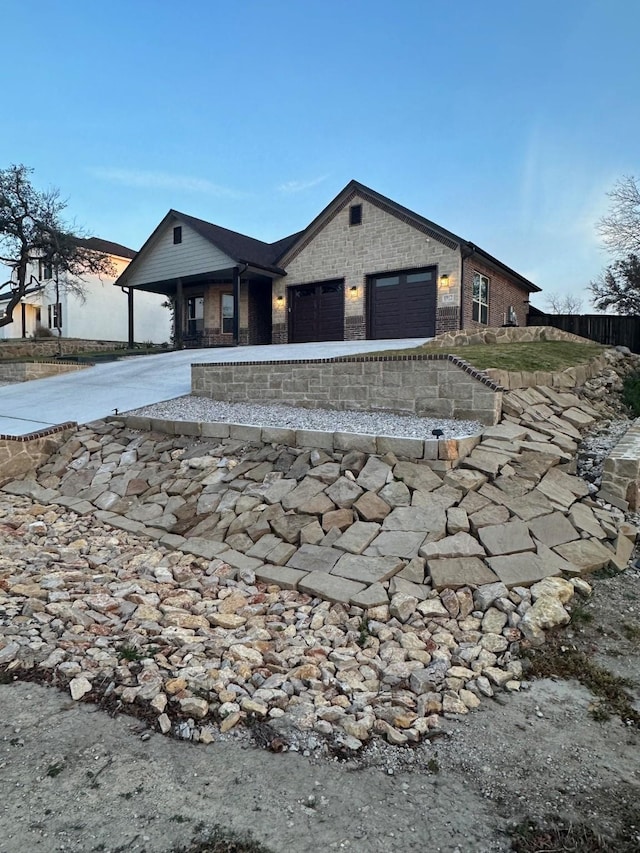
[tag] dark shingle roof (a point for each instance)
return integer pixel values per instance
(238, 246)
(96, 244)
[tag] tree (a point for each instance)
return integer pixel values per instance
(32, 229)
(618, 287)
(563, 303)
(620, 229)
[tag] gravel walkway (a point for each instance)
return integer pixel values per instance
(190, 408)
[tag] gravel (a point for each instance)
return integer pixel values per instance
(190, 408)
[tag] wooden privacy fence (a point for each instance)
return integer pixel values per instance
(603, 328)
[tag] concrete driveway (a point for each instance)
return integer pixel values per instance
(96, 392)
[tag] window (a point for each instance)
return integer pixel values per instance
(195, 315)
(45, 270)
(227, 313)
(177, 235)
(54, 315)
(355, 214)
(480, 309)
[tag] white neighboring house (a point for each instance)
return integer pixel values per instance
(103, 315)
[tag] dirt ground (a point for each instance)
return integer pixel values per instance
(75, 779)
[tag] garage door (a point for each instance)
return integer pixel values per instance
(316, 312)
(403, 305)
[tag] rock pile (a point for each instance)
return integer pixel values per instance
(341, 595)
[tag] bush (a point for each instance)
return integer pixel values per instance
(631, 393)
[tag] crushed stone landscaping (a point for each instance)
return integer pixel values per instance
(334, 597)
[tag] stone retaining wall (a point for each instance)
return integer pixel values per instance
(22, 454)
(621, 472)
(47, 347)
(23, 371)
(439, 455)
(506, 335)
(440, 386)
(572, 377)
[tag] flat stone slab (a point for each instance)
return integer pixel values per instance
(368, 570)
(490, 514)
(371, 507)
(509, 538)
(344, 492)
(336, 589)
(374, 475)
(288, 527)
(283, 576)
(583, 518)
(505, 431)
(395, 543)
(372, 596)
(314, 558)
(466, 479)
(458, 572)
(415, 518)
(302, 493)
(588, 555)
(357, 537)
(416, 476)
(458, 545)
(553, 529)
(521, 569)
(532, 505)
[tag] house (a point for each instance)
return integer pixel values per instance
(103, 314)
(366, 267)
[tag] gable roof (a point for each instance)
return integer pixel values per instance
(107, 247)
(273, 257)
(442, 235)
(240, 247)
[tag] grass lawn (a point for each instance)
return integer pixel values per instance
(536, 355)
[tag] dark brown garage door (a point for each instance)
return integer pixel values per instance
(403, 304)
(316, 312)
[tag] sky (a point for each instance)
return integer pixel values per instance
(504, 121)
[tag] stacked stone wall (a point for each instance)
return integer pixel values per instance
(427, 386)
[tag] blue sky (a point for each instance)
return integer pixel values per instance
(505, 122)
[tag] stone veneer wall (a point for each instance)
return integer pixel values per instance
(23, 371)
(20, 454)
(441, 386)
(621, 471)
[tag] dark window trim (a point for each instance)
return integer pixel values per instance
(477, 304)
(177, 235)
(355, 214)
(228, 330)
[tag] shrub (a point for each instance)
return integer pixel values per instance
(631, 393)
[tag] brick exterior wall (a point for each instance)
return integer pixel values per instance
(382, 243)
(503, 292)
(436, 386)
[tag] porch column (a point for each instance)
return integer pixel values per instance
(177, 315)
(236, 305)
(130, 315)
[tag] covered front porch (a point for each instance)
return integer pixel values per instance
(228, 307)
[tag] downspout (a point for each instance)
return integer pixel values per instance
(129, 292)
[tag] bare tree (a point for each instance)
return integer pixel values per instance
(618, 287)
(620, 228)
(32, 229)
(563, 303)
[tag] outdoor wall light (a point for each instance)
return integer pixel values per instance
(280, 300)
(444, 280)
(353, 291)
